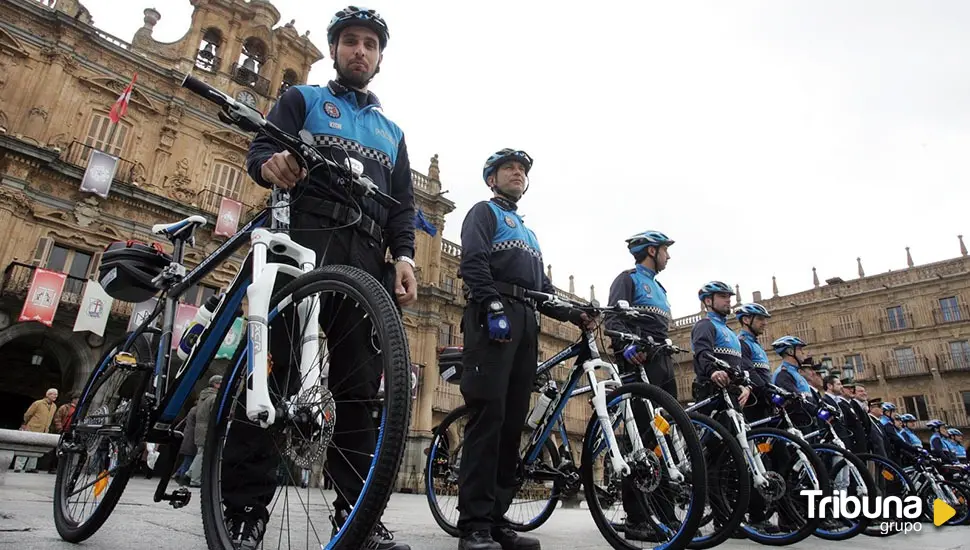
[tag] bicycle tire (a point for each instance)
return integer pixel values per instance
(815, 463)
(392, 439)
(695, 511)
(733, 449)
(860, 467)
(438, 515)
(69, 529)
(962, 516)
(873, 530)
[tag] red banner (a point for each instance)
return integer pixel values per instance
(228, 221)
(43, 296)
(183, 316)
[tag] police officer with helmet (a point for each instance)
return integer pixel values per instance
(500, 259)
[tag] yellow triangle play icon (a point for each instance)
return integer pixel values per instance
(942, 512)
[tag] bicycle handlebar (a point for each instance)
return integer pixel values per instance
(249, 120)
(648, 342)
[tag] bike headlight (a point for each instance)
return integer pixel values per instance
(778, 400)
(824, 415)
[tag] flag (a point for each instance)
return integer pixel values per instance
(183, 316)
(43, 296)
(228, 220)
(99, 173)
(232, 339)
(423, 224)
(120, 107)
(92, 314)
(141, 312)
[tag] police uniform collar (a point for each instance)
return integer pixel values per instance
(504, 203)
(747, 334)
(715, 316)
(646, 271)
(787, 364)
(337, 88)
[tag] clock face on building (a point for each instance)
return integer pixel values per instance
(246, 97)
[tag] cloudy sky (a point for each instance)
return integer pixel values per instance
(766, 138)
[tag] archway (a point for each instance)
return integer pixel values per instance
(35, 358)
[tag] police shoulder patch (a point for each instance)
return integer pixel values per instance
(331, 109)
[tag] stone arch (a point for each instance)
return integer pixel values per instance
(66, 364)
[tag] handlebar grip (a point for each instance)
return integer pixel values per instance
(385, 200)
(200, 88)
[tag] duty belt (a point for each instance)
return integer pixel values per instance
(515, 292)
(342, 214)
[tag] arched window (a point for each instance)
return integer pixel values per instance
(251, 59)
(290, 78)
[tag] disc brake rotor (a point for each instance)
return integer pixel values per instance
(311, 428)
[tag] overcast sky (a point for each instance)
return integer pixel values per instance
(764, 137)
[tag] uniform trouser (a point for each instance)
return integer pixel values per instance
(497, 380)
(660, 372)
(251, 462)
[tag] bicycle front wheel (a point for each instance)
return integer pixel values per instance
(849, 474)
(661, 501)
(321, 475)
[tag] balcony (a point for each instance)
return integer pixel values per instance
(18, 276)
(844, 332)
(951, 314)
(246, 77)
(896, 323)
(904, 367)
(77, 154)
(447, 397)
(867, 374)
(953, 362)
(953, 416)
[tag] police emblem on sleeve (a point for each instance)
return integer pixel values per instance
(510, 222)
(331, 110)
(646, 290)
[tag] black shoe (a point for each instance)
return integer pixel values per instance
(764, 527)
(479, 540)
(379, 539)
(246, 529)
(510, 540)
(645, 532)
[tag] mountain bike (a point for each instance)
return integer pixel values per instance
(781, 465)
(929, 484)
(656, 450)
(277, 392)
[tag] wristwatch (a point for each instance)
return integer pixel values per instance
(406, 260)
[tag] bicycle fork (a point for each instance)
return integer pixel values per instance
(259, 407)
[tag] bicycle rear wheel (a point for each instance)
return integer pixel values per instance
(668, 510)
(99, 451)
(323, 429)
(535, 499)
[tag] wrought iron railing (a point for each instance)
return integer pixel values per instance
(78, 154)
(17, 278)
(248, 78)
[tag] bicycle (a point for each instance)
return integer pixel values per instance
(664, 457)
(285, 290)
(789, 455)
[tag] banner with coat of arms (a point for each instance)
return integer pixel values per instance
(99, 173)
(228, 221)
(183, 316)
(43, 296)
(141, 312)
(93, 311)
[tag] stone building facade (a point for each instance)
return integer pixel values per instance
(59, 76)
(904, 334)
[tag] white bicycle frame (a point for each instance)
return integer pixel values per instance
(259, 407)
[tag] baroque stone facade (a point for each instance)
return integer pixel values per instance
(904, 334)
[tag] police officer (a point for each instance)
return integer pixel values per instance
(938, 440)
(345, 120)
(787, 376)
(500, 259)
(753, 319)
(641, 290)
(907, 433)
(711, 337)
(878, 443)
(956, 436)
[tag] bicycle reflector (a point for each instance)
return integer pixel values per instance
(661, 424)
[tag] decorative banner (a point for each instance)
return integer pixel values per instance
(43, 296)
(183, 316)
(141, 312)
(232, 339)
(415, 378)
(228, 221)
(99, 173)
(92, 313)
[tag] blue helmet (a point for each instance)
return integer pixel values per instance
(503, 156)
(954, 431)
(353, 15)
(934, 424)
(887, 406)
(757, 310)
(783, 344)
(714, 287)
(906, 417)
(641, 241)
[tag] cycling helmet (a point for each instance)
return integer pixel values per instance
(757, 310)
(906, 417)
(782, 344)
(640, 241)
(714, 287)
(934, 424)
(501, 157)
(887, 406)
(128, 267)
(353, 15)
(954, 431)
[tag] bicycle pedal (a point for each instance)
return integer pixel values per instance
(178, 498)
